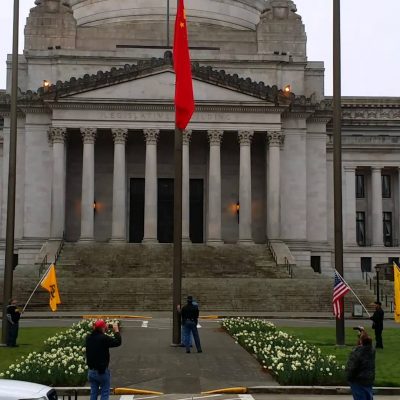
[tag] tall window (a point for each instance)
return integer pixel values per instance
(386, 187)
(387, 229)
(360, 186)
(360, 226)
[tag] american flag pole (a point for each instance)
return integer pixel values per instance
(354, 293)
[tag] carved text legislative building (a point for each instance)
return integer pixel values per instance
(95, 146)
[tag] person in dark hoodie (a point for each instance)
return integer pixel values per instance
(98, 358)
(190, 316)
(360, 369)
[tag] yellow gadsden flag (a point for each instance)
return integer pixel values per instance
(49, 282)
(396, 271)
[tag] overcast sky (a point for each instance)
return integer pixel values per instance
(370, 42)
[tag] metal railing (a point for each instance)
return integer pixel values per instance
(289, 267)
(386, 299)
(271, 249)
(45, 262)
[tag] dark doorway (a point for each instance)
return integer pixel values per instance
(136, 217)
(196, 211)
(165, 222)
(316, 263)
(165, 212)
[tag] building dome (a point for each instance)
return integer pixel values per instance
(236, 14)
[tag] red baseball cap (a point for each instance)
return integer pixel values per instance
(100, 324)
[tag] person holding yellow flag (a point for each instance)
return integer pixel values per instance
(396, 271)
(49, 283)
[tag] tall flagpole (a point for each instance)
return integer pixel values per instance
(9, 255)
(337, 160)
(177, 268)
(168, 41)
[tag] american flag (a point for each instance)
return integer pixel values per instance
(340, 288)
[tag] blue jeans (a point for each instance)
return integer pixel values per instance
(190, 328)
(361, 392)
(99, 384)
(185, 338)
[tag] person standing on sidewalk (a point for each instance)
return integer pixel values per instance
(13, 317)
(377, 324)
(190, 316)
(360, 369)
(98, 358)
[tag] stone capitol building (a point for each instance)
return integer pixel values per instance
(96, 122)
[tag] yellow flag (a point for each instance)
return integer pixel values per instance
(49, 282)
(396, 292)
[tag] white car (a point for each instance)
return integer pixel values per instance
(19, 390)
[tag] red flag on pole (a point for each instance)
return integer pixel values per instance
(184, 100)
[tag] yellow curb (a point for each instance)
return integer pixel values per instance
(116, 316)
(209, 317)
(135, 391)
(232, 390)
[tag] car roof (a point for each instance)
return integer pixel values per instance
(21, 389)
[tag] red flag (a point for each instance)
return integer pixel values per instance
(184, 100)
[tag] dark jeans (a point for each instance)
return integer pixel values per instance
(190, 327)
(99, 384)
(12, 334)
(361, 392)
(378, 339)
(186, 339)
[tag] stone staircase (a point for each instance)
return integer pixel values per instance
(134, 277)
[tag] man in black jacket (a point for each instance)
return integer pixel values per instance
(190, 316)
(98, 358)
(13, 316)
(361, 369)
(377, 324)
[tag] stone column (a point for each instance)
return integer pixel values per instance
(275, 140)
(187, 134)
(245, 214)
(118, 231)
(377, 208)
(150, 186)
(214, 188)
(87, 212)
(349, 203)
(57, 137)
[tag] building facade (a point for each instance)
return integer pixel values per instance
(96, 130)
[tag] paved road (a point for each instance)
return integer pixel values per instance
(147, 361)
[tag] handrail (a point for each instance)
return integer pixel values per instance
(369, 281)
(44, 264)
(271, 249)
(289, 267)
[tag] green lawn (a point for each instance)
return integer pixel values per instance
(29, 339)
(387, 360)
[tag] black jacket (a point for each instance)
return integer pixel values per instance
(377, 319)
(360, 367)
(97, 350)
(190, 312)
(13, 314)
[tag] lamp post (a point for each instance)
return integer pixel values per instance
(337, 159)
(9, 255)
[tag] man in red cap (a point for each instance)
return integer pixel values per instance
(98, 358)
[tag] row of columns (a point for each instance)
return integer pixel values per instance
(376, 205)
(58, 137)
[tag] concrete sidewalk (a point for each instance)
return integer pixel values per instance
(146, 360)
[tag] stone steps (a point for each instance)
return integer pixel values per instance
(225, 278)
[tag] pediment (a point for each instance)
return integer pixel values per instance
(160, 87)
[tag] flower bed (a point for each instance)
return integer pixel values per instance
(290, 360)
(62, 363)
